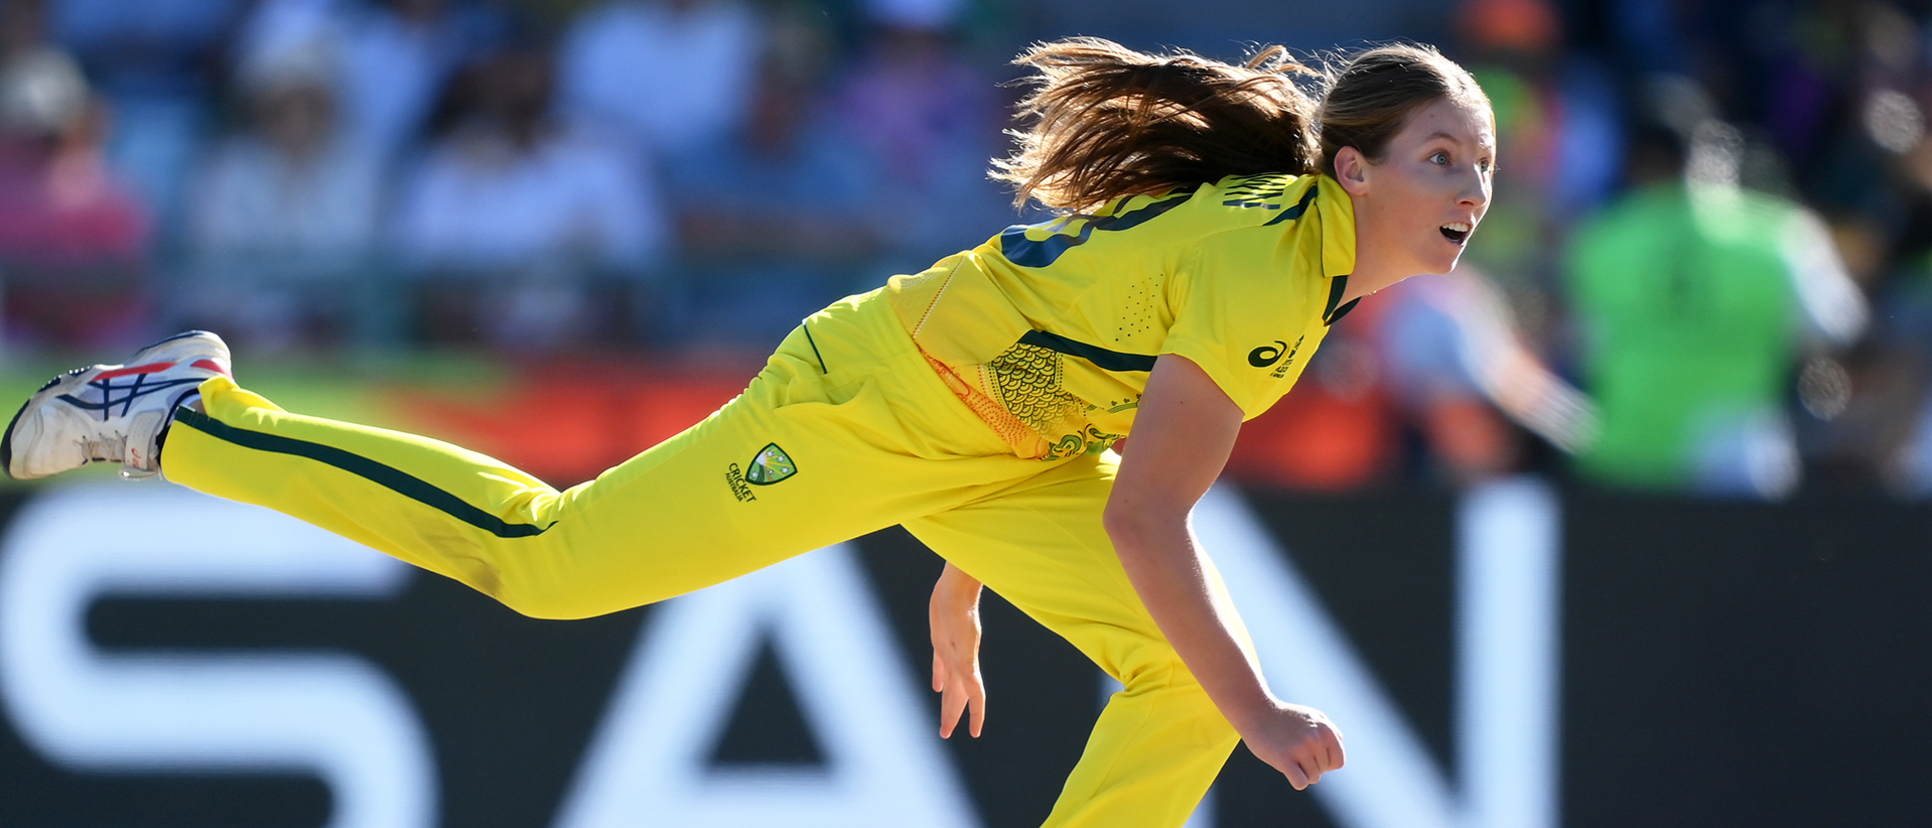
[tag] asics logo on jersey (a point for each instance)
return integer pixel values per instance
(1266, 355)
(140, 385)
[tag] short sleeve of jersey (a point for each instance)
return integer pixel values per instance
(1243, 309)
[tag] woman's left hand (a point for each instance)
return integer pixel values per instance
(954, 616)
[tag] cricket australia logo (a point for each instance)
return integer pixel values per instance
(770, 466)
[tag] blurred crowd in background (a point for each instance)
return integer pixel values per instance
(1707, 268)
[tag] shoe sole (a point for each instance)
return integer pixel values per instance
(61, 384)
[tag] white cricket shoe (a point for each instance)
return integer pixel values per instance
(110, 413)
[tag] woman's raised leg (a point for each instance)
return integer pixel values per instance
(836, 437)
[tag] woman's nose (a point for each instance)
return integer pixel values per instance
(1475, 190)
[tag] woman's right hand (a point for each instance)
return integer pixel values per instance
(1297, 740)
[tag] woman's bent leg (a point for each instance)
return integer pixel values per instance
(796, 463)
(1160, 742)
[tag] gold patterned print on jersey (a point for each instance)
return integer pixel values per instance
(1025, 442)
(1029, 381)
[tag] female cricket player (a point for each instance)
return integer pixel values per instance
(1213, 220)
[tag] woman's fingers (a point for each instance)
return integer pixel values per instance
(1295, 776)
(1310, 766)
(1335, 754)
(1309, 748)
(959, 690)
(952, 702)
(976, 694)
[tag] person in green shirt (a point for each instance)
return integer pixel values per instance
(1693, 297)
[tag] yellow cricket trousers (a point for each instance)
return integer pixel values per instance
(846, 430)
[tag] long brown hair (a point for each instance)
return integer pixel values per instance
(1112, 121)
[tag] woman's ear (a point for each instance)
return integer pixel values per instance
(1352, 170)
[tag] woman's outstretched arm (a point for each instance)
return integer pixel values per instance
(1183, 433)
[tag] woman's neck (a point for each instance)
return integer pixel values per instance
(1375, 266)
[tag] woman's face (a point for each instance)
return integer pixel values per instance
(1418, 206)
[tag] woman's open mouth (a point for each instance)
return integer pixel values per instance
(1457, 231)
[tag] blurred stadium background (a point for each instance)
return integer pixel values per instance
(1622, 523)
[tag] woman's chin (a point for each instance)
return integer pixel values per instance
(1437, 259)
(1436, 266)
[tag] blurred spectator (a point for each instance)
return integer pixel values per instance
(1849, 98)
(673, 74)
(1464, 378)
(73, 237)
(393, 55)
(779, 216)
(1691, 296)
(284, 213)
(396, 55)
(157, 62)
(930, 122)
(513, 210)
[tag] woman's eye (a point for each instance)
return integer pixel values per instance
(1439, 158)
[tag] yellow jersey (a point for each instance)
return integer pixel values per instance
(1048, 331)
